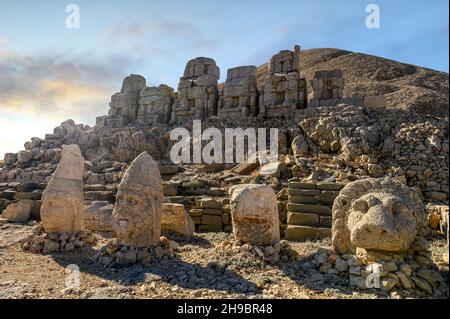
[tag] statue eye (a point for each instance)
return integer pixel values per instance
(360, 205)
(343, 201)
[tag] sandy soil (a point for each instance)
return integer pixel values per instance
(198, 271)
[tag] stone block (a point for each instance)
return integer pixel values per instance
(294, 232)
(308, 208)
(302, 219)
(215, 220)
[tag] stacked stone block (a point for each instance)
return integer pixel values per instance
(284, 91)
(211, 214)
(239, 95)
(197, 91)
(309, 209)
(20, 202)
(155, 104)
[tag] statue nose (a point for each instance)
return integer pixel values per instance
(379, 220)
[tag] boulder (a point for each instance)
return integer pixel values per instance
(10, 158)
(300, 146)
(18, 212)
(24, 156)
(175, 218)
(254, 211)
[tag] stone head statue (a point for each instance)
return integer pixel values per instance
(137, 213)
(62, 201)
(381, 215)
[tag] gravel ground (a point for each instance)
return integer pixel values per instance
(199, 270)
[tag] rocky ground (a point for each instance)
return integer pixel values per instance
(199, 270)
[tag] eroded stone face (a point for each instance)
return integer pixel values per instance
(62, 201)
(254, 211)
(377, 214)
(137, 213)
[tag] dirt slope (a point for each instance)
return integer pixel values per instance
(405, 86)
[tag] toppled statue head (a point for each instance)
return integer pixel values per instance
(137, 213)
(380, 215)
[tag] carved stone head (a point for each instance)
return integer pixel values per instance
(377, 215)
(137, 213)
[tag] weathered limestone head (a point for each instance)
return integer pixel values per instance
(133, 83)
(381, 215)
(155, 104)
(242, 72)
(285, 61)
(62, 201)
(137, 213)
(254, 214)
(201, 66)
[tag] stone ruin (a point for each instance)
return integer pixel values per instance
(239, 94)
(155, 104)
(254, 213)
(328, 87)
(282, 95)
(377, 214)
(137, 214)
(256, 229)
(136, 218)
(138, 104)
(197, 91)
(284, 90)
(124, 105)
(330, 146)
(62, 209)
(62, 201)
(378, 238)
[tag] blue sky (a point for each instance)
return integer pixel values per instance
(49, 73)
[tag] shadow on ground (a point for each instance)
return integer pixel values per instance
(172, 271)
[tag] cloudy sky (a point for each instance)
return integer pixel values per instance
(49, 73)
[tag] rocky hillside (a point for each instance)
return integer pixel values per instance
(405, 86)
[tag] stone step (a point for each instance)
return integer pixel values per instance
(100, 196)
(327, 186)
(308, 208)
(294, 232)
(303, 192)
(299, 199)
(301, 185)
(210, 228)
(303, 219)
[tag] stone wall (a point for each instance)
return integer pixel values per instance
(24, 200)
(309, 208)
